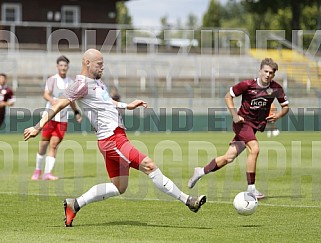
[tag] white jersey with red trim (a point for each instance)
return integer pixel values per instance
(56, 86)
(94, 99)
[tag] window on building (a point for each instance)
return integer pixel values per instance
(70, 14)
(11, 12)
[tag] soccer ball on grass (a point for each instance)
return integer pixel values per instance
(245, 203)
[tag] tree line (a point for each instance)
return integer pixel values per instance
(250, 15)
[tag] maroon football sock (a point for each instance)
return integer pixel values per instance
(211, 167)
(250, 176)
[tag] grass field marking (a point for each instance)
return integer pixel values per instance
(271, 205)
(155, 199)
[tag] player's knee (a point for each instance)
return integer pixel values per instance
(122, 189)
(255, 150)
(148, 165)
(54, 146)
(229, 157)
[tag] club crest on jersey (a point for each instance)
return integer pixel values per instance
(269, 91)
(258, 102)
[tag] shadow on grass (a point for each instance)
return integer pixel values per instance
(284, 196)
(251, 226)
(64, 178)
(141, 224)
(77, 177)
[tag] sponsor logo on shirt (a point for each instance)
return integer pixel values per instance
(258, 102)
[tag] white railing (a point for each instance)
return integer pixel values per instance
(184, 40)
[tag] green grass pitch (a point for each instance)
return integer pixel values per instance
(288, 171)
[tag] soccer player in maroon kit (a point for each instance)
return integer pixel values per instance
(257, 97)
(7, 97)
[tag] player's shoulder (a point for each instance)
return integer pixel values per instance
(275, 84)
(69, 79)
(251, 81)
(80, 78)
(52, 77)
(248, 82)
(80, 82)
(9, 90)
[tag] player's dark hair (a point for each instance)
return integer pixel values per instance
(269, 62)
(3, 75)
(63, 59)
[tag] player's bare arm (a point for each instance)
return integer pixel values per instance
(76, 111)
(230, 105)
(132, 105)
(284, 110)
(136, 103)
(48, 97)
(6, 103)
(34, 131)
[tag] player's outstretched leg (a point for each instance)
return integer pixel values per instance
(95, 194)
(167, 186)
(198, 173)
(195, 203)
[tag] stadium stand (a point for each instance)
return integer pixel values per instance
(170, 80)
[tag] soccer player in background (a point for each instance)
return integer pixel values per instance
(257, 97)
(54, 131)
(7, 97)
(119, 154)
(271, 127)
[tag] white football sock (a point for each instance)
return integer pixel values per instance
(98, 193)
(39, 161)
(251, 188)
(166, 185)
(50, 162)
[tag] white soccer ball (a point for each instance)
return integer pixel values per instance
(245, 203)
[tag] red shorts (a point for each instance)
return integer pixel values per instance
(119, 154)
(244, 133)
(54, 128)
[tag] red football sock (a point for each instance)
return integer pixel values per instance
(211, 167)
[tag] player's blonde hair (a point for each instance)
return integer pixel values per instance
(269, 62)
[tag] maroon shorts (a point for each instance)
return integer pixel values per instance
(119, 154)
(54, 128)
(244, 133)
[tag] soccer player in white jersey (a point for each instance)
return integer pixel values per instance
(92, 95)
(54, 131)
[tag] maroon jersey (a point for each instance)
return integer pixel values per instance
(6, 94)
(257, 100)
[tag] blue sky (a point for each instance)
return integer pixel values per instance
(147, 13)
